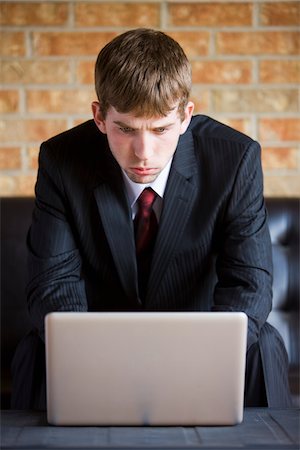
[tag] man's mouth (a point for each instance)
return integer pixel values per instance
(143, 170)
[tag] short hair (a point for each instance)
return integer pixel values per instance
(145, 72)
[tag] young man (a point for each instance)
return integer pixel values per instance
(212, 247)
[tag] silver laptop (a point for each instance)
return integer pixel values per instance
(181, 369)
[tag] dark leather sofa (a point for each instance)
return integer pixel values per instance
(15, 221)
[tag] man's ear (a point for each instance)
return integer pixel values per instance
(98, 117)
(188, 112)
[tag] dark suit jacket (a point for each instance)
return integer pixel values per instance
(213, 247)
(212, 251)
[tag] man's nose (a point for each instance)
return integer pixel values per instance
(143, 146)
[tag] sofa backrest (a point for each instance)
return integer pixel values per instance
(284, 217)
(15, 322)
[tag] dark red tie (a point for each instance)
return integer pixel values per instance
(145, 225)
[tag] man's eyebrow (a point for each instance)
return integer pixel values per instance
(122, 124)
(125, 125)
(164, 125)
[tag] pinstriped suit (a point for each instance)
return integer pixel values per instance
(212, 250)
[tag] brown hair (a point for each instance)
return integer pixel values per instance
(143, 71)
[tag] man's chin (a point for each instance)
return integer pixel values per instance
(142, 179)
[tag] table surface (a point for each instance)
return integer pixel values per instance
(262, 429)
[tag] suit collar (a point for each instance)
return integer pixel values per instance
(184, 161)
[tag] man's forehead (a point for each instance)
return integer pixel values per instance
(132, 117)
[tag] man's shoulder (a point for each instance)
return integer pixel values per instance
(78, 147)
(208, 128)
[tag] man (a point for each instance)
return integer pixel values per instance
(212, 248)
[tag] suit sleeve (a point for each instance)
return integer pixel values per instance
(244, 265)
(54, 263)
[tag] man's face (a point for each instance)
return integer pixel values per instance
(142, 147)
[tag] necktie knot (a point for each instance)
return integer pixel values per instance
(146, 200)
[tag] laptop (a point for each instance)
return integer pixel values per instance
(145, 368)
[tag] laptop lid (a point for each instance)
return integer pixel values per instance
(145, 368)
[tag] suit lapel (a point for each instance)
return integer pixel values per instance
(178, 201)
(118, 226)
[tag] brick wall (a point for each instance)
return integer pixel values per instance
(246, 72)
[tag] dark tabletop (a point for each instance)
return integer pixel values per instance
(262, 429)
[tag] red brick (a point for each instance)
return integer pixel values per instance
(222, 72)
(32, 157)
(70, 43)
(281, 129)
(201, 99)
(30, 13)
(256, 100)
(54, 68)
(60, 101)
(32, 71)
(12, 43)
(7, 185)
(282, 185)
(279, 71)
(85, 72)
(25, 185)
(280, 13)
(210, 14)
(17, 185)
(117, 14)
(79, 120)
(28, 130)
(258, 43)
(9, 101)
(194, 43)
(279, 158)
(10, 158)
(242, 125)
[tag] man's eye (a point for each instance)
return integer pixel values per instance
(160, 130)
(126, 129)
